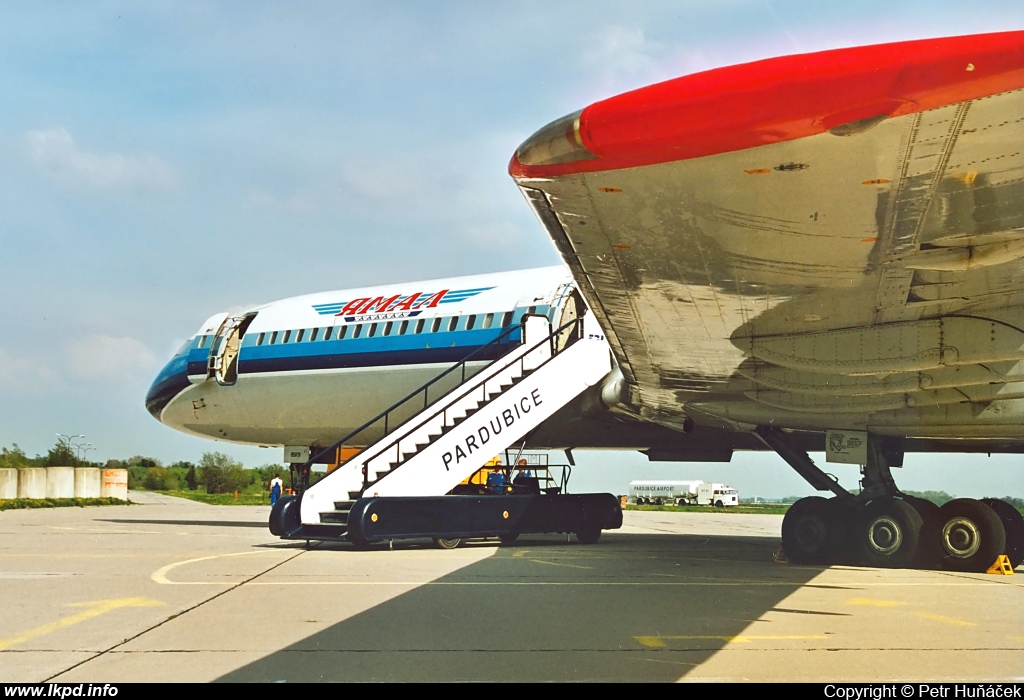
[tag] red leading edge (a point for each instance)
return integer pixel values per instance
(778, 99)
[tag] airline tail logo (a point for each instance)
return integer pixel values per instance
(397, 306)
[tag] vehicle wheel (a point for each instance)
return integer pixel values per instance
(451, 543)
(359, 543)
(719, 504)
(1013, 524)
(887, 533)
(508, 537)
(657, 501)
(639, 501)
(588, 534)
(971, 535)
(810, 530)
(928, 552)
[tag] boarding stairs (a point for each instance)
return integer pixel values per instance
(453, 437)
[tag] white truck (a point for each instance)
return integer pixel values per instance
(683, 493)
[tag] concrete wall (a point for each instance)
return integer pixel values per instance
(32, 482)
(115, 484)
(87, 482)
(8, 483)
(60, 482)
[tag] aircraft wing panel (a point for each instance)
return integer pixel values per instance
(694, 248)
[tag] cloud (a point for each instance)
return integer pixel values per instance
(55, 151)
(298, 203)
(105, 357)
(23, 373)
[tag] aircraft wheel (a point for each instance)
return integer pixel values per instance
(508, 537)
(971, 535)
(928, 552)
(887, 533)
(1013, 523)
(810, 530)
(450, 543)
(588, 534)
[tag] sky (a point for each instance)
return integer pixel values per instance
(163, 161)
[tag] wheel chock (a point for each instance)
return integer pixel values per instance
(1001, 566)
(780, 556)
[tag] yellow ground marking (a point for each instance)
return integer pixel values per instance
(520, 554)
(93, 609)
(160, 575)
(658, 641)
(554, 563)
(875, 602)
(948, 620)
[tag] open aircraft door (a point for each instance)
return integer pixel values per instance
(223, 361)
(569, 306)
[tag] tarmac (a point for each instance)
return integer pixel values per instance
(171, 590)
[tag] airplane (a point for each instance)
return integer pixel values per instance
(819, 252)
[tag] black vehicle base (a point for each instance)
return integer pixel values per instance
(464, 517)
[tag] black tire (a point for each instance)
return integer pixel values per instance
(887, 533)
(449, 543)
(508, 537)
(588, 534)
(719, 504)
(929, 553)
(809, 530)
(284, 516)
(359, 543)
(971, 535)
(1013, 524)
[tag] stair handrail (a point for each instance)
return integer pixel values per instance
(384, 414)
(554, 353)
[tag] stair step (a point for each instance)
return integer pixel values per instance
(334, 518)
(346, 505)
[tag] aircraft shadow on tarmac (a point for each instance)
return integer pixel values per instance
(633, 607)
(206, 523)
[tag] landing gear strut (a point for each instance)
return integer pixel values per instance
(883, 527)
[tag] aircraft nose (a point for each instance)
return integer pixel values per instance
(170, 382)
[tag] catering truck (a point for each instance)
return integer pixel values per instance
(683, 493)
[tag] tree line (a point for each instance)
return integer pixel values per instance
(215, 472)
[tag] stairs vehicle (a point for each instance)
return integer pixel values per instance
(399, 486)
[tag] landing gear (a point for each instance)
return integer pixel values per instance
(451, 543)
(508, 537)
(811, 530)
(971, 535)
(884, 527)
(887, 533)
(1013, 523)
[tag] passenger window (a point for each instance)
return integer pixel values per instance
(452, 323)
(470, 322)
(287, 335)
(435, 325)
(506, 319)
(532, 310)
(313, 334)
(488, 321)
(341, 332)
(356, 329)
(259, 339)
(419, 326)
(387, 328)
(372, 330)
(402, 327)
(298, 335)
(273, 338)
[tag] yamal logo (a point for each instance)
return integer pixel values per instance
(397, 306)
